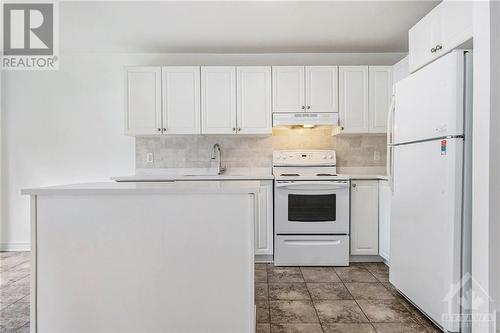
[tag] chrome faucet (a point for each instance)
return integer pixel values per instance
(217, 156)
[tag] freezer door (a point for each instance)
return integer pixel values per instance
(429, 103)
(426, 226)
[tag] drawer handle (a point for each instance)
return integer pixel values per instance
(312, 242)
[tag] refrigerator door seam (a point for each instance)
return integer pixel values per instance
(427, 140)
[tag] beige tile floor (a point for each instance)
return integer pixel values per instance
(356, 299)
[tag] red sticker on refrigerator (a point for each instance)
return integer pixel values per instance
(443, 147)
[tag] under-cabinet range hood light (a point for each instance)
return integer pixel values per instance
(305, 119)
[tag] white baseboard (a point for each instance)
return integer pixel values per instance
(15, 246)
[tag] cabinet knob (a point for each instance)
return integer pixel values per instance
(234, 129)
(159, 129)
(303, 107)
(353, 185)
(433, 50)
(164, 130)
(239, 129)
(438, 47)
(308, 107)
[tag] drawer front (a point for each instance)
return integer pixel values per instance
(305, 250)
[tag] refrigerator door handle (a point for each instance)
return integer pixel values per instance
(390, 131)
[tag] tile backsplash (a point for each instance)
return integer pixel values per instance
(194, 151)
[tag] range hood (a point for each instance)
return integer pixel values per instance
(305, 119)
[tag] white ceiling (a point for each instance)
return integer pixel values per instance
(239, 27)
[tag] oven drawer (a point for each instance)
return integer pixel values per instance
(315, 250)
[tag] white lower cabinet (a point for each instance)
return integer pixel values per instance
(364, 217)
(263, 244)
(384, 219)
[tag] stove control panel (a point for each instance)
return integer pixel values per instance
(304, 157)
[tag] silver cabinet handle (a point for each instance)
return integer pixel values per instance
(308, 107)
(303, 107)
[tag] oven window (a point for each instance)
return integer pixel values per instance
(311, 208)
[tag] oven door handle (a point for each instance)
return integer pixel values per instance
(321, 185)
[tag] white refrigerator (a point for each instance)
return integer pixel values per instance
(429, 147)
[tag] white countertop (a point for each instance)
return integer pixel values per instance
(165, 187)
(196, 174)
(377, 173)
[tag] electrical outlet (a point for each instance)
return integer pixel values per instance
(376, 156)
(149, 158)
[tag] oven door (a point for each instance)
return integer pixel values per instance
(312, 207)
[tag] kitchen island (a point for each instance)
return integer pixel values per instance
(142, 257)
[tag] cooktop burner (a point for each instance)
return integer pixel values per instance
(290, 174)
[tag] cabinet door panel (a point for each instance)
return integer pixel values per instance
(264, 224)
(456, 24)
(353, 98)
(181, 100)
(384, 218)
(218, 100)
(364, 217)
(143, 100)
(288, 89)
(380, 91)
(322, 89)
(254, 100)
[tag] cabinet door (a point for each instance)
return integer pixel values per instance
(364, 217)
(218, 100)
(353, 98)
(143, 101)
(380, 91)
(253, 104)
(181, 100)
(384, 219)
(456, 24)
(288, 89)
(322, 89)
(423, 37)
(264, 223)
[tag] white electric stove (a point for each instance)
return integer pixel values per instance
(311, 209)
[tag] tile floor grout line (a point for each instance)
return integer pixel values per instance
(359, 306)
(312, 301)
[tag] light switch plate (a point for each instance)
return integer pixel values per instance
(149, 158)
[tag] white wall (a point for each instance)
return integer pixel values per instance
(66, 126)
(485, 178)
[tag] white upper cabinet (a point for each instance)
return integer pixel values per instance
(443, 29)
(288, 89)
(353, 98)
(218, 100)
(380, 94)
(143, 101)
(253, 101)
(181, 100)
(364, 217)
(322, 89)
